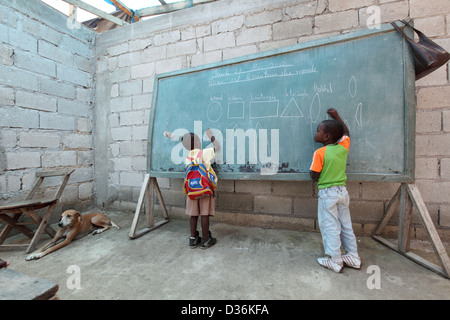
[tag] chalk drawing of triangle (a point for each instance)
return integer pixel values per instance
(292, 110)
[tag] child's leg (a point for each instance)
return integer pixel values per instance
(347, 235)
(193, 224)
(329, 224)
(205, 227)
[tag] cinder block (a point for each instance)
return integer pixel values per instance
(6, 96)
(433, 97)
(430, 121)
(234, 202)
(434, 191)
(73, 107)
(428, 168)
(239, 51)
(129, 59)
(153, 54)
(33, 62)
(6, 56)
(57, 88)
(76, 46)
(56, 121)
(228, 24)
(85, 190)
(121, 133)
(276, 205)
(342, 5)
(292, 29)
(133, 148)
(336, 21)
(73, 75)
(118, 49)
(304, 9)
(420, 8)
(181, 48)
(293, 188)
(18, 117)
(305, 207)
(263, 18)
(22, 160)
(55, 53)
(169, 65)
(131, 178)
(252, 35)
(445, 169)
(366, 211)
(219, 41)
(131, 118)
(253, 187)
(143, 70)
(433, 145)
(59, 159)
(120, 104)
(205, 58)
(167, 37)
(8, 138)
(378, 191)
(77, 141)
(34, 100)
(139, 132)
(39, 140)
(18, 78)
(130, 88)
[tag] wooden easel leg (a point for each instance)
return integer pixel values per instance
(147, 193)
(436, 242)
(406, 197)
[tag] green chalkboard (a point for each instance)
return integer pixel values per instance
(264, 109)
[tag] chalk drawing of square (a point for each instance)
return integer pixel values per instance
(236, 110)
(264, 109)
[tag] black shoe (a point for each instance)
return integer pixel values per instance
(194, 241)
(206, 243)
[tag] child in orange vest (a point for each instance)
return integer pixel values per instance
(328, 169)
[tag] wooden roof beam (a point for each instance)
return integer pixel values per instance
(169, 7)
(125, 9)
(83, 5)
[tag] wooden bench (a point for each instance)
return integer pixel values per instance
(10, 212)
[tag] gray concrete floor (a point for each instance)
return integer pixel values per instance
(246, 263)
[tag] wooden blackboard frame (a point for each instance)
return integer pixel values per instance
(408, 104)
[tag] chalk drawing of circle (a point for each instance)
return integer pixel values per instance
(352, 86)
(214, 111)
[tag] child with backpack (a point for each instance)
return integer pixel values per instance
(199, 184)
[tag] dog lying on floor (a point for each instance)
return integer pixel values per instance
(74, 226)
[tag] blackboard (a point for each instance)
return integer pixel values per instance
(264, 109)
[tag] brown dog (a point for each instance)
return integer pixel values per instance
(73, 226)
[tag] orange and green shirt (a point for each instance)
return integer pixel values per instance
(331, 161)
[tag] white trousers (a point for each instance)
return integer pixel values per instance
(334, 221)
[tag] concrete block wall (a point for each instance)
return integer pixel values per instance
(47, 72)
(129, 58)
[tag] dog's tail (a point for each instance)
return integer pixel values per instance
(114, 224)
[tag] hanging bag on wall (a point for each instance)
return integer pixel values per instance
(428, 56)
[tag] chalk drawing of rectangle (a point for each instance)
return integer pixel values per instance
(264, 109)
(236, 110)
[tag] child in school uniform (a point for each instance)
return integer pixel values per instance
(203, 207)
(328, 169)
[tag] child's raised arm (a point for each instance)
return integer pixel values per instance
(213, 140)
(335, 115)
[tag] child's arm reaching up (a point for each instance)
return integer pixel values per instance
(335, 115)
(213, 140)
